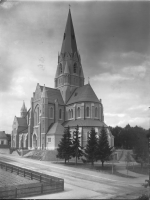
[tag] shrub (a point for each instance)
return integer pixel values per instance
(143, 197)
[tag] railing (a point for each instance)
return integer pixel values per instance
(4, 146)
(48, 184)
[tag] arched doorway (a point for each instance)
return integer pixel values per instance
(34, 141)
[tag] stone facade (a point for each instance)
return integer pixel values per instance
(70, 103)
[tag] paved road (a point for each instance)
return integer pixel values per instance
(82, 184)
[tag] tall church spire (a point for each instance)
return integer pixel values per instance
(69, 40)
(23, 111)
(69, 73)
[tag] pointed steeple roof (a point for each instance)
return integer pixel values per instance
(81, 72)
(57, 72)
(23, 109)
(44, 93)
(66, 71)
(69, 40)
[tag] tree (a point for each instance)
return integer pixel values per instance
(64, 147)
(77, 150)
(91, 147)
(103, 149)
(140, 150)
(117, 133)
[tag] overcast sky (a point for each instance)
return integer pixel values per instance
(113, 39)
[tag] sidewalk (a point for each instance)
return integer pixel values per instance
(137, 178)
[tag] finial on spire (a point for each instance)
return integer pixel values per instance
(88, 80)
(44, 93)
(69, 6)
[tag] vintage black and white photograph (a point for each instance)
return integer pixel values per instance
(74, 99)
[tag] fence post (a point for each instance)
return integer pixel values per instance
(63, 185)
(31, 175)
(16, 192)
(41, 188)
(40, 177)
(24, 173)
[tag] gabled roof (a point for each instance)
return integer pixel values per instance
(83, 94)
(69, 40)
(56, 129)
(85, 123)
(66, 71)
(44, 93)
(53, 94)
(22, 130)
(3, 135)
(22, 121)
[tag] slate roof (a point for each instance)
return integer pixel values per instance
(69, 40)
(3, 135)
(66, 71)
(83, 94)
(85, 123)
(21, 121)
(53, 94)
(22, 130)
(55, 129)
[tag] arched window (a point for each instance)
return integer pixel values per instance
(35, 118)
(60, 113)
(96, 113)
(38, 115)
(60, 68)
(71, 113)
(75, 68)
(87, 112)
(78, 112)
(51, 112)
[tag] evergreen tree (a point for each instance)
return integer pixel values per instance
(103, 149)
(64, 147)
(91, 147)
(76, 147)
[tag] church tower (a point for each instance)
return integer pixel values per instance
(44, 117)
(69, 73)
(23, 111)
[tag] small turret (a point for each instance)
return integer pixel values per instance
(23, 111)
(44, 93)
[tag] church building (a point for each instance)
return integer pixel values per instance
(70, 103)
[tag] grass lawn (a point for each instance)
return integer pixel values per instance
(138, 169)
(107, 168)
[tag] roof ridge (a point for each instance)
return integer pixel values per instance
(71, 95)
(84, 94)
(49, 88)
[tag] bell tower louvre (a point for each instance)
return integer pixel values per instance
(69, 73)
